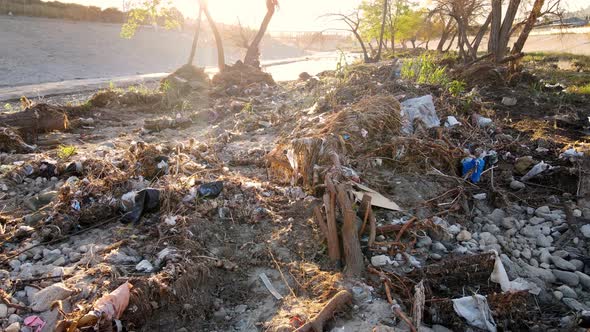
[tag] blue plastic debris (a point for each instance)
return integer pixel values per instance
(476, 165)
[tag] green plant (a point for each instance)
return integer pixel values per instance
(66, 151)
(456, 87)
(424, 70)
(112, 85)
(248, 108)
(580, 89)
(8, 107)
(165, 86)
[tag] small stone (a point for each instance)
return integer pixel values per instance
(526, 253)
(567, 292)
(463, 235)
(586, 230)
(497, 215)
(14, 318)
(516, 253)
(534, 262)
(508, 223)
(584, 279)
(491, 228)
(561, 253)
(577, 213)
(562, 264)
(544, 241)
(15, 265)
(240, 309)
(3, 310)
(437, 246)
(424, 242)
(536, 220)
(60, 261)
(14, 327)
(509, 101)
(568, 278)
(558, 295)
(144, 266)
(435, 256)
(517, 185)
(454, 229)
(542, 211)
(487, 238)
(574, 304)
(545, 256)
(545, 265)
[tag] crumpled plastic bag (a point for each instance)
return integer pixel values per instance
(211, 189)
(476, 311)
(500, 276)
(421, 108)
(536, 170)
(146, 200)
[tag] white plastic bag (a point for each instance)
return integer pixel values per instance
(418, 108)
(476, 311)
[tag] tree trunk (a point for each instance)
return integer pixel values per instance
(528, 26)
(218, 40)
(191, 57)
(444, 36)
(363, 47)
(37, 119)
(353, 255)
(253, 54)
(504, 36)
(452, 41)
(413, 41)
(480, 34)
(378, 56)
(496, 24)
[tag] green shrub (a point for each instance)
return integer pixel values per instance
(66, 151)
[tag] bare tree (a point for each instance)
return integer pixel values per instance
(253, 54)
(216, 34)
(353, 21)
(383, 22)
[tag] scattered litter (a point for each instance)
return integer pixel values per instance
(210, 190)
(473, 167)
(270, 287)
(108, 307)
(146, 200)
(36, 322)
(571, 153)
(482, 121)
(170, 220)
(376, 198)
(500, 276)
(536, 170)
(421, 108)
(381, 260)
(480, 197)
(452, 121)
(476, 311)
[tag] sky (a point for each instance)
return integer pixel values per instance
(293, 15)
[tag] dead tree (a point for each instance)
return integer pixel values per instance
(383, 21)
(353, 21)
(253, 54)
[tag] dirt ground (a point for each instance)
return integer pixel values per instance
(288, 156)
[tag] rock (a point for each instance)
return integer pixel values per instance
(35, 203)
(523, 164)
(567, 292)
(119, 258)
(3, 310)
(577, 213)
(491, 228)
(561, 253)
(508, 223)
(562, 264)
(60, 261)
(509, 101)
(545, 256)
(526, 253)
(240, 309)
(487, 238)
(536, 220)
(454, 229)
(529, 271)
(424, 242)
(463, 235)
(497, 215)
(544, 241)
(574, 304)
(542, 211)
(43, 299)
(558, 295)
(15, 264)
(516, 253)
(584, 279)
(14, 327)
(437, 246)
(14, 318)
(517, 185)
(380, 260)
(440, 328)
(586, 230)
(568, 278)
(144, 266)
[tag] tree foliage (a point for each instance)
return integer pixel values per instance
(154, 12)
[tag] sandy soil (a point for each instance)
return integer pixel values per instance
(37, 50)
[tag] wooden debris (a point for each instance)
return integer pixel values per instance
(317, 323)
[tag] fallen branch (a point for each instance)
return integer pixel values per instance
(317, 323)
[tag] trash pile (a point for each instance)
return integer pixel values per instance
(350, 201)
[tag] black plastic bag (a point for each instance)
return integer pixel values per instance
(147, 200)
(211, 189)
